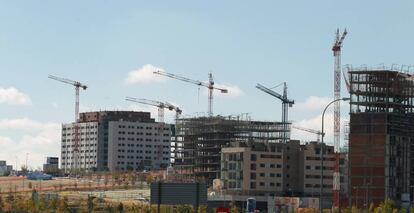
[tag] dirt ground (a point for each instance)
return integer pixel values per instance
(21, 184)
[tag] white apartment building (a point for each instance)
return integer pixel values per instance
(138, 146)
(116, 140)
(88, 146)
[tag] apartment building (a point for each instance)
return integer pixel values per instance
(279, 169)
(310, 169)
(116, 140)
(259, 169)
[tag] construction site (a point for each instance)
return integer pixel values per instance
(199, 141)
(381, 137)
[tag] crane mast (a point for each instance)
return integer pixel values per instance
(210, 86)
(286, 103)
(77, 86)
(337, 112)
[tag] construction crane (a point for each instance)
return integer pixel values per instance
(336, 48)
(177, 110)
(337, 86)
(209, 85)
(77, 86)
(286, 103)
(318, 133)
(160, 105)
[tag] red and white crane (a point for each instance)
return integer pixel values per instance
(336, 48)
(77, 86)
(209, 85)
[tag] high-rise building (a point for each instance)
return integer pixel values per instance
(116, 140)
(381, 137)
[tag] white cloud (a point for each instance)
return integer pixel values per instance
(315, 123)
(39, 139)
(145, 75)
(313, 103)
(20, 124)
(13, 96)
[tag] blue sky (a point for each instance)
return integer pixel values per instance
(241, 42)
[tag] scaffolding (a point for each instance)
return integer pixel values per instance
(381, 137)
(381, 89)
(199, 140)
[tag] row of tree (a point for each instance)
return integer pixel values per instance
(23, 204)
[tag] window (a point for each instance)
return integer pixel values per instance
(272, 175)
(262, 174)
(252, 185)
(262, 165)
(272, 166)
(308, 167)
(278, 166)
(253, 166)
(253, 176)
(261, 183)
(272, 184)
(253, 157)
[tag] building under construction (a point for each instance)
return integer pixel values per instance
(381, 137)
(199, 141)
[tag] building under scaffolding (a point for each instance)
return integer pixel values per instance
(381, 137)
(199, 141)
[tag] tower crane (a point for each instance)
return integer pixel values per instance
(161, 106)
(286, 103)
(77, 86)
(318, 133)
(336, 48)
(177, 110)
(209, 85)
(337, 86)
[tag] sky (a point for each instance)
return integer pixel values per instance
(113, 47)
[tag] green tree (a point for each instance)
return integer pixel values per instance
(52, 204)
(109, 208)
(202, 209)
(387, 206)
(120, 207)
(1, 204)
(184, 209)
(149, 179)
(62, 206)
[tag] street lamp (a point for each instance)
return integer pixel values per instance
(323, 134)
